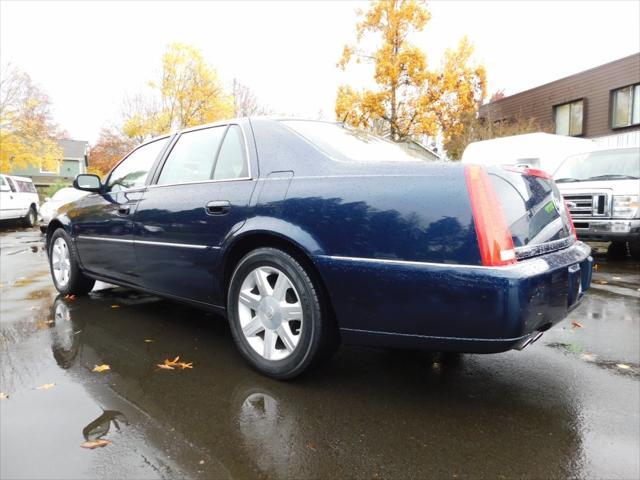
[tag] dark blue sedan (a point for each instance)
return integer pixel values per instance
(306, 234)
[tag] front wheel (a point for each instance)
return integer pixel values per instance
(276, 314)
(65, 271)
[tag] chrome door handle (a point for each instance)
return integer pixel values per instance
(218, 207)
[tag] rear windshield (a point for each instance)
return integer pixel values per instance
(349, 145)
(533, 207)
(600, 166)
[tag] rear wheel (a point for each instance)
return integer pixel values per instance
(276, 313)
(30, 219)
(65, 271)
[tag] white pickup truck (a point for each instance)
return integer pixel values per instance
(18, 199)
(602, 191)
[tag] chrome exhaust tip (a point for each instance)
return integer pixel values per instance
(529, 340)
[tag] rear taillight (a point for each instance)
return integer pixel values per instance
(494, 236)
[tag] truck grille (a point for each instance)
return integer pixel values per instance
(587, 204)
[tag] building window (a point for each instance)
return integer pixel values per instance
(569, 118)
(626, 106)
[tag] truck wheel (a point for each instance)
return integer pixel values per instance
(30, 219)
(277, 318)
(63, 261)
(617, 250)
(634, 248)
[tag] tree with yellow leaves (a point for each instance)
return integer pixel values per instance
(187, 93)
(410, 100)
(27, 132)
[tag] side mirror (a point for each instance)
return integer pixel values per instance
(87, 182)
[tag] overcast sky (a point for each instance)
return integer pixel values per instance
(88, 55)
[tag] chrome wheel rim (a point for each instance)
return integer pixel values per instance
(61, 262)
(270, 313)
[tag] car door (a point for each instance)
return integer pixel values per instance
(200, 197)
(103, 222)
(8, 202)
(15, 206)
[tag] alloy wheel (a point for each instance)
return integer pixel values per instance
(270, 313)
(61, 262)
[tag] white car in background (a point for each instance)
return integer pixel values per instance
(18, 199)
(602, 191)
(51, 205)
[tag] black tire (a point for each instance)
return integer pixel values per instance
(317, 333)
(30, 219)
(78, 283)
(617, 250)
(634, 248)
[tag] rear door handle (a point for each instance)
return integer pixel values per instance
(218, 207)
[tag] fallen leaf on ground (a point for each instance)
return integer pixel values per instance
(148, 340)
(95, 443)
(616, 278)
(101, 368)
(184, 365)
(600, 282)
(623, 366)
(115, 306)
(70, 297)
(575, 324)
(589, 357)
(201, 462)
(595, 267)
(3, 396)
(46, 386)
(173, 362)
(166, 367)
(311, 446)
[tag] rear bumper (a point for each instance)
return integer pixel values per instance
(454, 308)
(607, 229)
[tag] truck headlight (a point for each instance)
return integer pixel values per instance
(626, 206)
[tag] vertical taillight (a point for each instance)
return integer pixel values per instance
(494, 236)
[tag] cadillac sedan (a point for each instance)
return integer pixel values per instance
(307, 234)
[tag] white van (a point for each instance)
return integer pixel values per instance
(543, 151)
(18, 199)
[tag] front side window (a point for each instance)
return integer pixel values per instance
(207, 154)
(193, 157)
(626, 106)
(569, 118)
(133, 171)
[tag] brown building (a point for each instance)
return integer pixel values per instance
(602, 102)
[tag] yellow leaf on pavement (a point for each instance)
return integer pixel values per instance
(623, 366)
(46, 386)
(95, 443)
(184, 365)
(148, 340)
(115, 306)
(101, 368)
(165, 367)
(575, 324)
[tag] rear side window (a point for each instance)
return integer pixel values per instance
(193, 157)
(26, 187)
(232, 162)
(133, 171)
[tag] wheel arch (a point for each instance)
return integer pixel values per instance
(260, 239)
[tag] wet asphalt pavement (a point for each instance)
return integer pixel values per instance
(567, 406)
